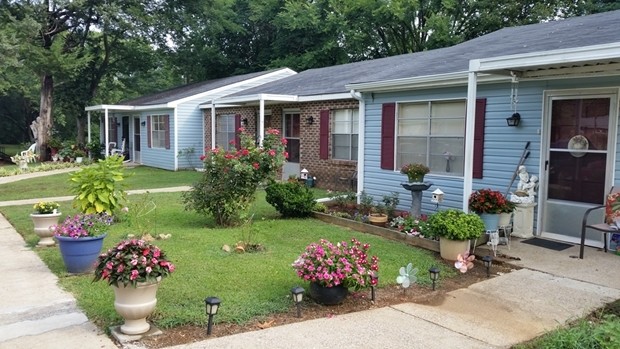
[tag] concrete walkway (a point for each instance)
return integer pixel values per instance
(552, 289)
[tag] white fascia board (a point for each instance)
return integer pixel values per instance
(546, 58)
(109, 107)
(249, 99)
(326, 97)
(423, 82)
(286, 72)
(210, 105)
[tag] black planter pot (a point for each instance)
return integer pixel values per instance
(328, 295)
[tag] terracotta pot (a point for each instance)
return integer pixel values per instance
(378, 219)
(134, 304)
(43, 223)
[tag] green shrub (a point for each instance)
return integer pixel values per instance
(455, 225)
(291, 199)
(99, 188)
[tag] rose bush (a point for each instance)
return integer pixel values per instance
(230, 179)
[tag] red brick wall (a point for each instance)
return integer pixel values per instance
(330, 174)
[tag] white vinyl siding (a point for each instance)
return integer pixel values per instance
(432, 133)
(345, 130)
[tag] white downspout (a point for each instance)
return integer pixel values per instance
(470, 127)
(360, 141)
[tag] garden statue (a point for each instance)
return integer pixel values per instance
(526, 189)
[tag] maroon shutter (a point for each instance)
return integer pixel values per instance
(388, 122)
(324, 135)
(167, 130)
(148, 130)
(481, 105)
(237, 127)
(115, 130)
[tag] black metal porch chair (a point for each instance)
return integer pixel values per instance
(601, 227)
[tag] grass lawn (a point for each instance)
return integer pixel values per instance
(12, 149)
(250, 285)
(141, 177)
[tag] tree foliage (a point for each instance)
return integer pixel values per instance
(59, 56)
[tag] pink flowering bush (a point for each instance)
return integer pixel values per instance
(231, 177)
(132, 261)
(344, 264)
(83, 225)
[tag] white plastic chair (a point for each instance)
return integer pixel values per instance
(114, 150)
(30, 149)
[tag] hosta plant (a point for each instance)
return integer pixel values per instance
(99, 188)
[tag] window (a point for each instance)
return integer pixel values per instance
(432, 133)
(225, 131)
(159, 127)
(345, 129)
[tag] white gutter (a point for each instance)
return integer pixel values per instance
(361, 138)
(324, 97)
(423, 82)
(251, 98)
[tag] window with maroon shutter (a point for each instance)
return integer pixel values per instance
(167, 131)
(324, 135)
(344, 130)
(481, 104)
(388, 115)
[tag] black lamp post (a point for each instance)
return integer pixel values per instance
(488, 260)
(298, 295)
(212, 304)
(434, 273)
(372, 293)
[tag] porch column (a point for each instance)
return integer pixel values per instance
(106, 126)
(212, 124)
(470, 126)
(261, 121)
(88, 124)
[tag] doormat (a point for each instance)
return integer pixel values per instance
(552, 245)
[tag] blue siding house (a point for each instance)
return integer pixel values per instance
(448, 108)
(155, 128)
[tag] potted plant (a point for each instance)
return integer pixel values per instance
(44, 219)
(415, 172)
(455, 229)
(488, 204)
(378, 215)
(332, 269)
(79, 155)
(54, 144)
(80, 238)
(506, 213)
(134, 268)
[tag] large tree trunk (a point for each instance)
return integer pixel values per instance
(42, 126)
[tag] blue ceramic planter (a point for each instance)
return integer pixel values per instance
(491, 221)
(80, 254)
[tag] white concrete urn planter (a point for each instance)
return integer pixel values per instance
(450, 249)
(504, 219)
(43, 223)
(134, 304)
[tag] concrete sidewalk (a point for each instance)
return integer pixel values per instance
(34, 311)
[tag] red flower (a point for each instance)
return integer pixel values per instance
(255, 165)
(202, 158)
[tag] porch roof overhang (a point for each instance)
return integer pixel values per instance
(573, 62)
(253, 100)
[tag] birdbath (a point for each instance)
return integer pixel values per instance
(416, 190)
